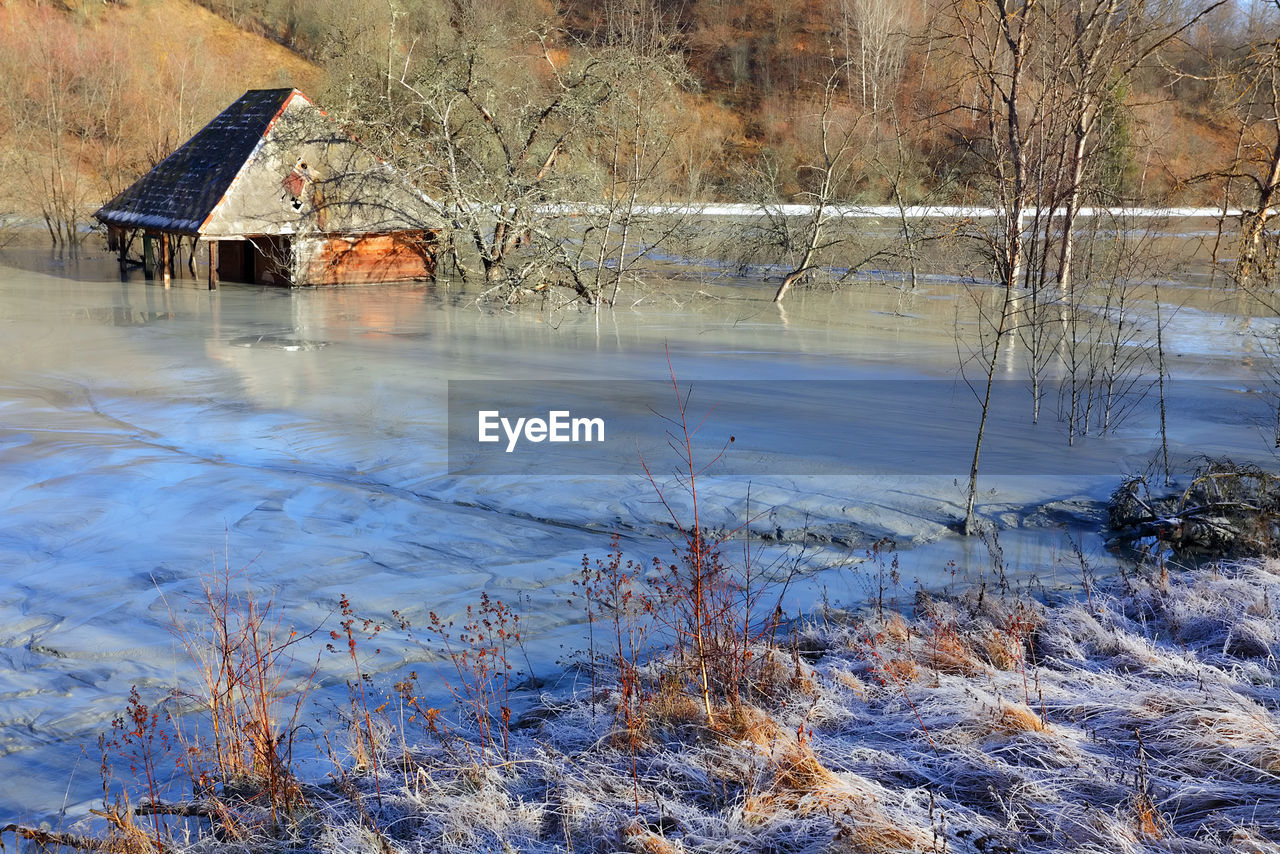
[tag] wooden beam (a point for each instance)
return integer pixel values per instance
(122, 249)
(165, 258)
(213, 265)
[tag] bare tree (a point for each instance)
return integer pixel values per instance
(1101, 42)
(874, 40)
(634, 136)
(50, 163)
(498, 144)
(994, 39)
(1106, 344)
(838, 139)
(1043, 92)
(1254, 81)
(541, 148)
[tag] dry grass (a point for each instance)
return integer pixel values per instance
(1000, 649)
(1226, 737)
(896, 628)
(1146, 818)
(947, 651)
(853, 683)
(803, 786)
(641, 840)
(674, 708)
(754, 726)
(1017, 717)
(901, 670)
(799, 772)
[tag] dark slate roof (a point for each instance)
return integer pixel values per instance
(181, 191)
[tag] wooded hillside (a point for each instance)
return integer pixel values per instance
(762, 100)
(95, 94)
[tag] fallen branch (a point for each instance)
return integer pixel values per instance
(55, 837)
(188, 809)
(1228, 510)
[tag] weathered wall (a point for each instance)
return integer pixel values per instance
(307, 176)
(362, 260)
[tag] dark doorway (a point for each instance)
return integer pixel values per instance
(263, 260)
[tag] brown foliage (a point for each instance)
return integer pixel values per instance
(1017, 717)
(101, 91)
(98, 93)
(947, 651)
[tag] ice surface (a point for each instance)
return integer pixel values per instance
(147, 436)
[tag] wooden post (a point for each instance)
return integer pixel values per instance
(213, 265)
(148, 258)
(165, 259)
(122, 249)
(191, 259)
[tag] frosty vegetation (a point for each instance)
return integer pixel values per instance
(1139, 718)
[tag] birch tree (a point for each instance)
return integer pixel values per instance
(874, 36)
(994, 40)
(1101, 42)
(1044, 79)
(1253, 80)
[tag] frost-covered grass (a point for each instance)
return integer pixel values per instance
(1144, 718)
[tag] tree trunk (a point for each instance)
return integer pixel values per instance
(1072, 209)
(1255, 225)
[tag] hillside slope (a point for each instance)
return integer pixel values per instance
(100, 92)
(97, 94)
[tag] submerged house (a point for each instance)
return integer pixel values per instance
(272, 191)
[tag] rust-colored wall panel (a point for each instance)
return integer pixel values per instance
(364, 260)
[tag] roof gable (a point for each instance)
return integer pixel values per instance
(181, 191)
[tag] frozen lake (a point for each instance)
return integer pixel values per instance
(147, 436)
